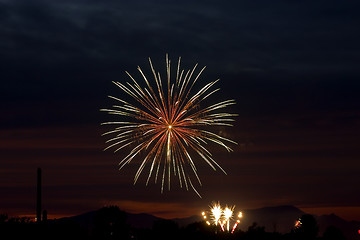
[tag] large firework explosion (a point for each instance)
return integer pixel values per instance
(166, 124)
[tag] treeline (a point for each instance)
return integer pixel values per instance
(110, 223)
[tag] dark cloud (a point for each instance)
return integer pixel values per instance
(292, 68)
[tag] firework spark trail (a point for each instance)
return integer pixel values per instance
(228, 212)
(168, 123)
(220, 216)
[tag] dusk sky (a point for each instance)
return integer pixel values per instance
(293, 68)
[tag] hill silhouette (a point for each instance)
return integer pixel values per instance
(280, 219)
(272, 223)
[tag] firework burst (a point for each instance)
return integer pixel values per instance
(222, 217)
(167, 124)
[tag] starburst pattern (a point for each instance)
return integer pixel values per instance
(222, 217)
(167, 123)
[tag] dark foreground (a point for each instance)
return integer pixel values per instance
(110, 223)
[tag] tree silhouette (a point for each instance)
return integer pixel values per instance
(308, 229)
(333, 233)
(3, 218)
(255, 232)
(165, 229)
(110, 223)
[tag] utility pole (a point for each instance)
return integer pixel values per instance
(38, 199)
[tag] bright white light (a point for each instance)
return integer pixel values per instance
(216, 212)
(223, 217)
(228, 213)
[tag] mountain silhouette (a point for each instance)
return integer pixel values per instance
(275, 219)
(349, 228)
(279, 219)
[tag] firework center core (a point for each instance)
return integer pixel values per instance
(169, 126)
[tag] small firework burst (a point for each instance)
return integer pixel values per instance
(298, 223)
(167, 124)
(223, 217)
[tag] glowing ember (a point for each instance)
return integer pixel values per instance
(298, 223)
